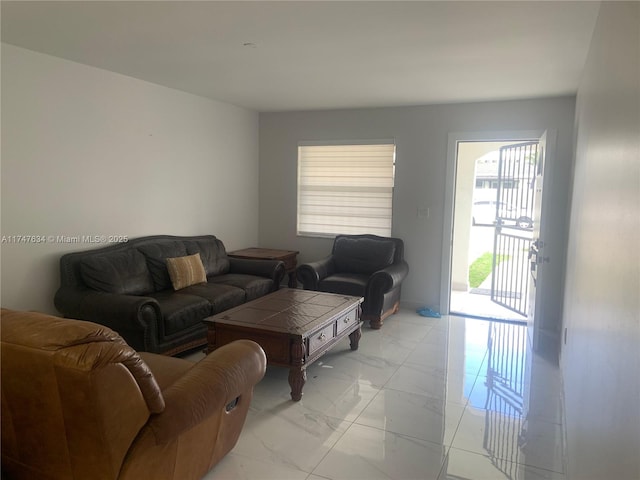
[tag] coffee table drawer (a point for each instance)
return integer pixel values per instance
(351, 318)
(321, 338)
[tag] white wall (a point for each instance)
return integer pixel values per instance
(421, 135)
(90, 152)
(601, 360)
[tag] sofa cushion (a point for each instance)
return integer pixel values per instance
(186, 271)
(220, 296)
(345, 283)
(362, 255)
(253, 286)
(156, 255)
(122, 272)
(213, 255)
(180, 311)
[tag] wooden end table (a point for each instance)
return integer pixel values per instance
(294, 327)
(289, 257)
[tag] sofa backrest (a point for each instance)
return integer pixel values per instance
(124, 272)
(156, 255)
(138, 267)
(74, 396)
(366, 253)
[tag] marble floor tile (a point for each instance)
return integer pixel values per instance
(240, 467)
(372, 453)
(389, 348)
(420, 379)
(463, 465)
(290, 438)
(321, 396)
(438, 335)
(413, 415)
(511, 438)
(407, 315)
(429, 354)
(404, 331)
(452, 417)
(356, 366)
(422, 398)
(459, 388)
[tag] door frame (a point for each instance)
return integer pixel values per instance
(449, 203)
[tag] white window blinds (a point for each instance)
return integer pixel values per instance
(345, 189)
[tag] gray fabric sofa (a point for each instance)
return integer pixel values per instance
(127, 287)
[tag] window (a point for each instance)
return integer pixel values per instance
(345, 188)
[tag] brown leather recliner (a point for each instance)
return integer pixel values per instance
(79, 403)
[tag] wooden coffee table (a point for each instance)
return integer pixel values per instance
(294, 328)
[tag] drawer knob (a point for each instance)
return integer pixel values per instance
(322, 336)
(346, 320)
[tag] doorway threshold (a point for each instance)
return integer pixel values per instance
(479, 305)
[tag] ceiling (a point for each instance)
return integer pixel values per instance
(307, 55)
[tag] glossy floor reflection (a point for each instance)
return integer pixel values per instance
(422, 398)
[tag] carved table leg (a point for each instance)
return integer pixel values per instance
(297, 379)
(297, 374)
(355, 338)
(211, 339)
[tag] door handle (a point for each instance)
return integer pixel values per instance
(534, 253)
(533, 259)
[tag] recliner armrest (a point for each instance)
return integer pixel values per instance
(134, 317)
(311, 273)
(387, 279)
(114, 310)
(273, 269)
(209, 386)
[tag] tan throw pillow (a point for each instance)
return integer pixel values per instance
(186, 271)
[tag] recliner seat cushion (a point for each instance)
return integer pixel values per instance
(123, 272)
(181, 311)
(345, 283)
(253, 286)
(362, 255)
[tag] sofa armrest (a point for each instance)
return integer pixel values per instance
(273, 269)
(134, 317)
(387, 279)
(215, 382)
(311, 273)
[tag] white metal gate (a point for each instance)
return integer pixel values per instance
(514, 226)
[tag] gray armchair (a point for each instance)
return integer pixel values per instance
(365, 265)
